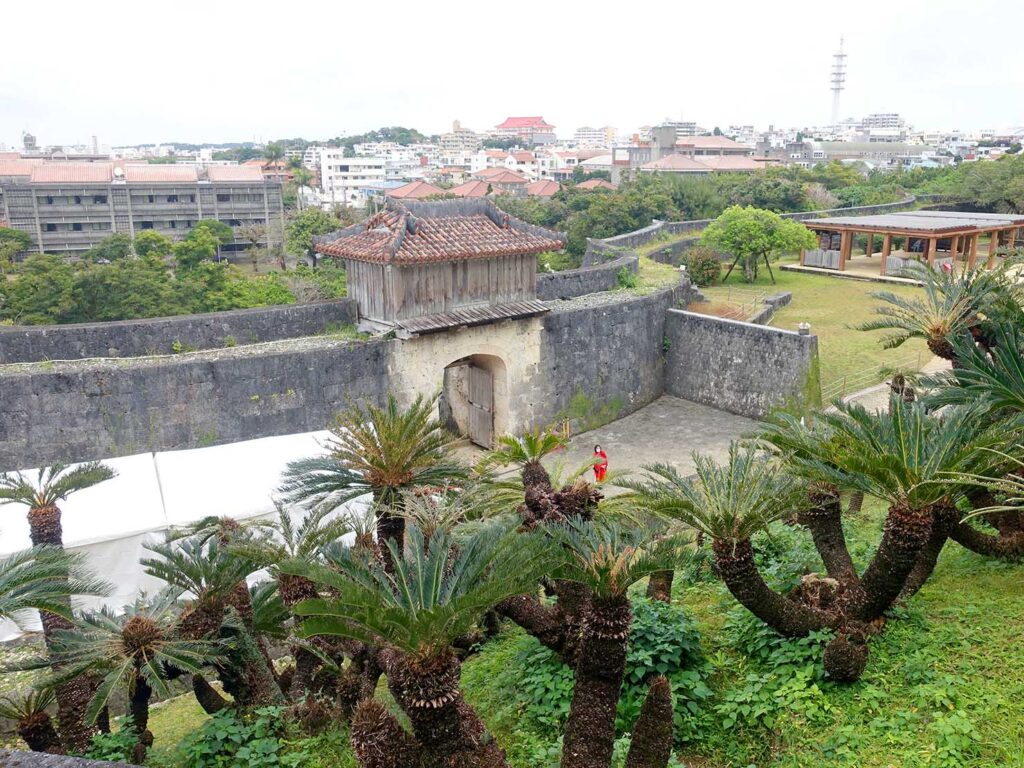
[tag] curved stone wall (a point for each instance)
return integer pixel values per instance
(571, 283)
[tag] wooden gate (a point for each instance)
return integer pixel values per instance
(481, 407)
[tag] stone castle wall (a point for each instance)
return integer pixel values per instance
(160, 335)
(742, 368)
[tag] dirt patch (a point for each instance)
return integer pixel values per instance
(721, 309)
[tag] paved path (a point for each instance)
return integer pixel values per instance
(667, 431)
(876, 398)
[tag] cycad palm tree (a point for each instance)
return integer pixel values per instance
(214, 574)
(954, 306)
(607, 558)
(280, 540)
(434, 593)
(526, 451)
(52, 485)
(133, 651)
(383, 451)
(44, 579)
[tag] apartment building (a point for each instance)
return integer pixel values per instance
(460, 141)
(66, 208)
(350, 180)
(595, 138)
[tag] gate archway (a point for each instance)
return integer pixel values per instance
(474, 399)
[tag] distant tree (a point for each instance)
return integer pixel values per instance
(300, 230)
(493, 143)
(835, 174)
(752, 234)
(12, 242)
(109, 249)
(152, 244)
(127, 288)
(255, 235)
(273, 152)
(200, 245)
(221, 231)
(42, 292)
(717, 131)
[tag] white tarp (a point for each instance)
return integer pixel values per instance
(112, 521)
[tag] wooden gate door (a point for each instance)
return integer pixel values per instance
(481, 407)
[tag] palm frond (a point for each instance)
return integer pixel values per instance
(45, 578)
(52, 484)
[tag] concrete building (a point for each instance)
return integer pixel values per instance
(885, 155)
(350, 180)
(595, 138)
(459, 141)
(67, 208)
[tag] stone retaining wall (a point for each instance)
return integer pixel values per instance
(742, 368)
(10, 758)
(160, 335)
(570, 283)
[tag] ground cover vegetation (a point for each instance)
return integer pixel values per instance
(761, 612)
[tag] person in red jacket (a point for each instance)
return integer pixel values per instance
(600, 463)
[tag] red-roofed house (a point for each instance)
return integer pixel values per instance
(277, 170)
(543, 188)
(472, 188)
(505, 181)
(415, 190)
(530, 130)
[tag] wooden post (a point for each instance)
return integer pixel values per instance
(803, 253)
(973, 255)
(933, 246)
(870, 249)
(993, 244)
(845, 243)
(954, 246)
(886, 249)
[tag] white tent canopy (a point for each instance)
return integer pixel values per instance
(152, 492)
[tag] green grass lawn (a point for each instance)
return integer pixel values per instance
(833, 307)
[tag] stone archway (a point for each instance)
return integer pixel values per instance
(474, 398)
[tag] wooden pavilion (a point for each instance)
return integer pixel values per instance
(935, 237)
(421, 267)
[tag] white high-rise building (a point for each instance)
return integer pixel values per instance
(350, 180)
(595, 138)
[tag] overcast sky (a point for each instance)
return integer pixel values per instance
(144, 72)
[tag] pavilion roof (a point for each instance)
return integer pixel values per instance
(410, 232)
(927, 222)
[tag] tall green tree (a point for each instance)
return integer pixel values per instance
(301, 228)
(752, 235)
(12, 242)
(110, 249)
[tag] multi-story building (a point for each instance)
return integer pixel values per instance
(529, 130)
(350, 180)
(459, 142)
(884, 155)
(595, 138)
(67, 208)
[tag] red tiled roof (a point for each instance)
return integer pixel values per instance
(415, 190)
(449, 230)
(161, 173)
(596, 184)
(487, 173)
(15, 167)
(705, 164)
(496, 153)
(504, 176)
(543, 188)
(233, 173)
(523, 157)
(92, 173)
(524, 122)
(472, 188)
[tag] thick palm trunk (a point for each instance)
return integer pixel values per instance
(555, 626)
(379, 740)
(38, 732)
(138, 708)
(72, 697)
(449, 732)
(824, 520)
(856, 503)
(905, 534)
(1009, 547)
(600, 667)
(245, 674)
(207, 696)
(943, 523)
(659, 586)
(293, 590)
(651, 745)
(735, 564)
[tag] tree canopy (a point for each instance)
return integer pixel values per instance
(752, 233)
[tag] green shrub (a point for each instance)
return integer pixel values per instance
(626, 279)
(702, 265)
(114, 747)
(233, 739)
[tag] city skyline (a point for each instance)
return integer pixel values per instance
(219, 75)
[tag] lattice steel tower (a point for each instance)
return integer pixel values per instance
(838, 81)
